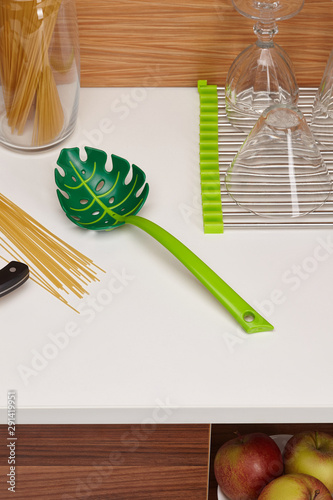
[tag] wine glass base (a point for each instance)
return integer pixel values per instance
(272, 10)
(241, 119)
(259, 77)
(244, 117)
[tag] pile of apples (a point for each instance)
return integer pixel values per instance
(252, 467)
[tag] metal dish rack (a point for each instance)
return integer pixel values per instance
(229, 141)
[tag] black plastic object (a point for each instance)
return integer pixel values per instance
(12, 276)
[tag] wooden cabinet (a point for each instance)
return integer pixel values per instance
(108, 462)
(123, 462)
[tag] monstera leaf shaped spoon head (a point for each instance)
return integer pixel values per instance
(94, 197)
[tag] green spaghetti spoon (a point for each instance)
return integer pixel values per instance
(96, 198)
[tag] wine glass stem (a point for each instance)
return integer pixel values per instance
(265, 32)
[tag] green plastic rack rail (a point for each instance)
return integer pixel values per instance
(209, 159)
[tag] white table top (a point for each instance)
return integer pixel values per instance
(161, 348)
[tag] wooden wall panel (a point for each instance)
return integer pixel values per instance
(118, 462)
(176, 42)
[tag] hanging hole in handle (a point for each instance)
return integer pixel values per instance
(248, 317)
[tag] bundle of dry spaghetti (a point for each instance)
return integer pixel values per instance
(30, 92)
(54, 265)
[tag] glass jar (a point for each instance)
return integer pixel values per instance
(39, 71)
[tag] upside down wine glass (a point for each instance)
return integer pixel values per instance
(322, 113)
(279, 170)
(262, 75)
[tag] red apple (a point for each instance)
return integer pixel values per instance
(311, 453)
(244, 465)
(295, 487)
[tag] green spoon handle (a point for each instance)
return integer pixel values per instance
(250, 320)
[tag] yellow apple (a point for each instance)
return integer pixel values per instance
(295, 487)
(311, 453)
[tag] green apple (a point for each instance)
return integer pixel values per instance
(295, 487)
(311, 453)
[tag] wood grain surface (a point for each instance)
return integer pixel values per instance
(170, 43)
(101, 462)
(221, 433)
